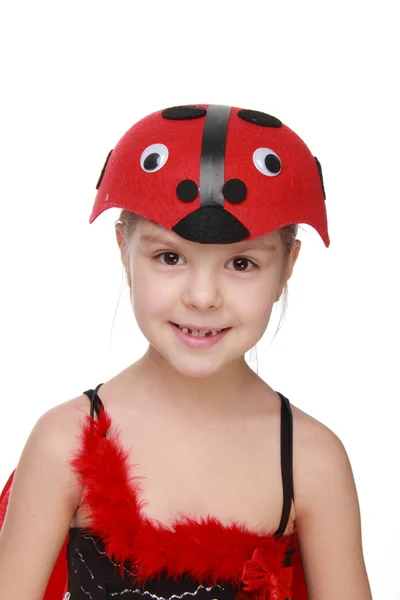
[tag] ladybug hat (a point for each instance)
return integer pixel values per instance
(214, 174)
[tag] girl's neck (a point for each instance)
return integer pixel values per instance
(208, 394)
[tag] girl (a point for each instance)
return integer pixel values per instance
(244, 495)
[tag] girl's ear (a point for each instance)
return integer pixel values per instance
(118, 234)
(293, 258)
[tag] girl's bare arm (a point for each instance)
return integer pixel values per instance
(44, 496)
(328, 518)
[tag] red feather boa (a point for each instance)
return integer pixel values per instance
(204, 549)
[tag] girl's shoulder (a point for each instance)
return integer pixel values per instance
(311, 433)
(65, 419)
(58, 428)
(53, 439)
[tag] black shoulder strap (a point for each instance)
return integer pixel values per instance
(286, 462)
(95, 401)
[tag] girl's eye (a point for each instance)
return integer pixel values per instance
(241, 261)
(168, 254)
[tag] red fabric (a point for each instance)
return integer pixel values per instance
(295, 195)
(5, 494)
(258, 576)
(205, 549)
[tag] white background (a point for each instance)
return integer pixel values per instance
(75, 76)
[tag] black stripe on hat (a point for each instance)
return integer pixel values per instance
(212, 161)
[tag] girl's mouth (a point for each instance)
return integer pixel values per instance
(194, 341)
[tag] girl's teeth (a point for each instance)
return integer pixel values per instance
(195, 333)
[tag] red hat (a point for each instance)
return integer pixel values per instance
(214, 174)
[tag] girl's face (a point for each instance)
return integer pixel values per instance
(209, 285)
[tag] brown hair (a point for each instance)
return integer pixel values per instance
(127, 222)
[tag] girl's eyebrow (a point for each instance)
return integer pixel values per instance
(257, 244)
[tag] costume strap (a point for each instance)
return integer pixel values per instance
(286, 462)
(95, 402)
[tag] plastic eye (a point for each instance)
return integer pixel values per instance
(267, 161)
(154, 158)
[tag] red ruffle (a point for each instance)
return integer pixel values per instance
(204, 549)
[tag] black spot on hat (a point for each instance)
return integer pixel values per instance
(320, 175)
(183, 113)
(235, 191)
(103, 170)
(187, 190)
(259, 118)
